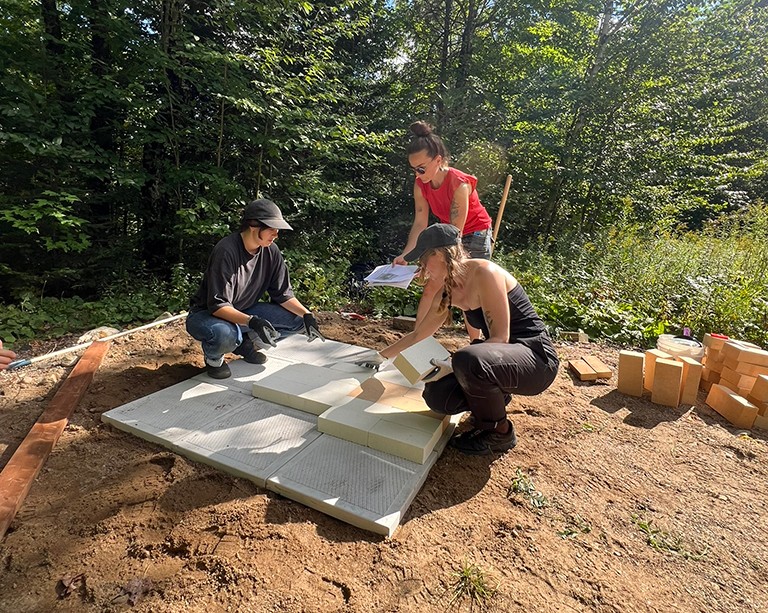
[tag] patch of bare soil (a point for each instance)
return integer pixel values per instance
(608, 503)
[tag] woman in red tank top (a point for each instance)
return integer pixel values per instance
(451, 196)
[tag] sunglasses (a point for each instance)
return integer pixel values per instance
(420, 170)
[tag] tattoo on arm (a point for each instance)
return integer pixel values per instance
(488, 318)
(454, 209)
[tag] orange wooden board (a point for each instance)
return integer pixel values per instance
(584, 371)
(18, 475)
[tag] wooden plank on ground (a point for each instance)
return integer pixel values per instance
(18, 475)
(584, 371)
(601, 368)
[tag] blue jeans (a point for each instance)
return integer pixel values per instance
(219, 336)
(478, 244)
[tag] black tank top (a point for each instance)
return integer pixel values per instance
(523, 320)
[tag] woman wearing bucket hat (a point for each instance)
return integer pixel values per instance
(515, 357)
(451, 196)
(226, 314)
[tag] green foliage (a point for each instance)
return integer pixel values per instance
(522, 486)
(52, 219)
(472, 583)
(629, 286)
(318, 284)
(664, 541)
(392, 301)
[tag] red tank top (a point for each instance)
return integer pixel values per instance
(440, 201)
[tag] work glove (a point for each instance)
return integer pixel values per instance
(372, 360)
(264, 330)
(311, 329)
(442, 368)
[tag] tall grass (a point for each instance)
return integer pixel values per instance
(631, 284)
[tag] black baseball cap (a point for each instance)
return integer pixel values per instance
(436, 235)
(266, 212)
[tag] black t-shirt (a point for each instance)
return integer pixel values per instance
(239, 279)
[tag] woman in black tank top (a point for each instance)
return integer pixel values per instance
(515, 356)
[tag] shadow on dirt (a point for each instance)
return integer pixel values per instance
(642, 412)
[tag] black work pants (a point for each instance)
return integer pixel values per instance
(486, 374)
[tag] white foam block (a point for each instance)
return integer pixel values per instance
(305, 387)
(363, 487)
(252, 441)
(391, 374)
(386, 428)
(414, 444)
(296, 348)
(414, 362)
(173, 413)
(350, 421)
(244, 374)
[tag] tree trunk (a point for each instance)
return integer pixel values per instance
(566, 159)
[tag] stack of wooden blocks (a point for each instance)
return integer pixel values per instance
(671, 381)
(736, 378)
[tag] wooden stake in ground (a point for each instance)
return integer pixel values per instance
(17, 476)
(501, 211)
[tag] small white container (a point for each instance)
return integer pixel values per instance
(679, 347)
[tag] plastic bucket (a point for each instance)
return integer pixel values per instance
(679, 346)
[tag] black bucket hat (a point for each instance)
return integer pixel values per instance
(266, 212)
(436, 235)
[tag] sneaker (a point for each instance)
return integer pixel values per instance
(485, 442)
(218, 372)
(250, 353)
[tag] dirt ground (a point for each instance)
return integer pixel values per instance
(630, 506)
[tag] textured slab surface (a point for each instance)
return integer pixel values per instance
(173, 413)
(361, 486)
(220, 423)
(252, 441)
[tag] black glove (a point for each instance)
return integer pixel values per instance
(311, 329)
(442, 368)
(265, 330)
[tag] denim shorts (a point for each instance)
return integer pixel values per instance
(478, 244)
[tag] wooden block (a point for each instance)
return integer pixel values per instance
(752, 370)
(404, 323)
(737, 410)
(759, 390)
(740, 381)
(761, 422)
(762, 407)
(575, 337)
(650, 363)
(601, 368)
(706, 385)
(715, 342)
(414, 362)
(713, 355)
(631, 373)
(583, 370)
(691, 377)
(745, 352)
(710, 375)
(667, 382)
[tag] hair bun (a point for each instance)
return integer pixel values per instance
(421, 128)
